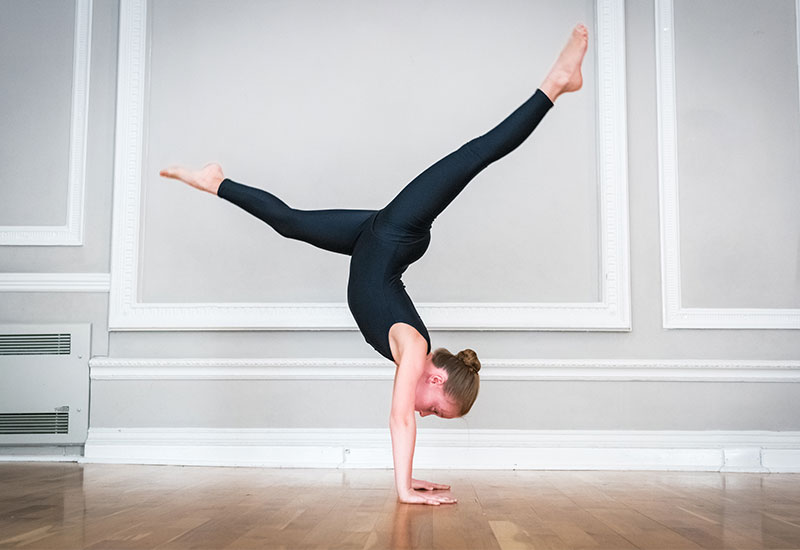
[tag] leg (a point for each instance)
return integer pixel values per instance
(426, 196)
(333, 230)
(414, 209)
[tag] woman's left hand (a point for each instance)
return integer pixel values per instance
(427, 485)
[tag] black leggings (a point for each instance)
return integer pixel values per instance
(383, 243)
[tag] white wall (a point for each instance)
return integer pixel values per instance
(337, 106)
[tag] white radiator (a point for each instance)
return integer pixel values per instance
(44, 384)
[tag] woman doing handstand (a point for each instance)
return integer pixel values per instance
(383, 243)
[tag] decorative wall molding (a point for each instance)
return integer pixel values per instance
(725, 451)
(674, 314)
(55, 282)
(70, 234)
(612, 312)
(105, 368)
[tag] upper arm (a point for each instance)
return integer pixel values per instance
(411, 352)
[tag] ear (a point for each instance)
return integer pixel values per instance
(436, 379)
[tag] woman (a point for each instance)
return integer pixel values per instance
(383, 243)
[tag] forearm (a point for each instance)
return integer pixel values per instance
(404, 435)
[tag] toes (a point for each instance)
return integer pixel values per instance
(581, 31)
(175, 172)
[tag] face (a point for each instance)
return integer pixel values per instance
(430, 397)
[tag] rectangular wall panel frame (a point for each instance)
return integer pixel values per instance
(611, 312)
(675, 315)
(70, 234)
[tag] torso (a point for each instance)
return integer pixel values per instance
(375, 292)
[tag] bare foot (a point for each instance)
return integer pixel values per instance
(207, 179)
(565, 76)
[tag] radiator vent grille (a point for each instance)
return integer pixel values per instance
(35, 344)
(34, 423)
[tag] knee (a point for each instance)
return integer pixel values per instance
(285, 222)
(477, 149)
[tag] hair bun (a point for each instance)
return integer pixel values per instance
(470, 359)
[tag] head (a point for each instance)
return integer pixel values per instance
(449, 385)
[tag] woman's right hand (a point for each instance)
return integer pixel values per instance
(434, 499)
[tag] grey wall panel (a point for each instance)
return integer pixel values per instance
(36, 37)
(738, 153)
(94, 255)
(344, 115)
(58, 308)
(502, 405)
(649, 341)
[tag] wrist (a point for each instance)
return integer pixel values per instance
(405, 492)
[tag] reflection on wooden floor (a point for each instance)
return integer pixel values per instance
(65, 505)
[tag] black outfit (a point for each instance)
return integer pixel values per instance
(383, 243)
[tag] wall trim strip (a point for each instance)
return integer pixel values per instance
(105, 368)
(55, 282)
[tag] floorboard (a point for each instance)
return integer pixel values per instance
(105, 506)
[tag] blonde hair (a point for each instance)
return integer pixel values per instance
(463, 381)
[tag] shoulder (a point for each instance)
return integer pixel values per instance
(404, 340)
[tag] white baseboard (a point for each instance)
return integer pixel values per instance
(38, 458)
(751, 451)
(40, 453)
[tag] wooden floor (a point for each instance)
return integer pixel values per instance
(67, 505)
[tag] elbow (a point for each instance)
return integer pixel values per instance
(401, 421)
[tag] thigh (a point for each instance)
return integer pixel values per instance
(333, 230)
(418, 204)
(422, 200)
